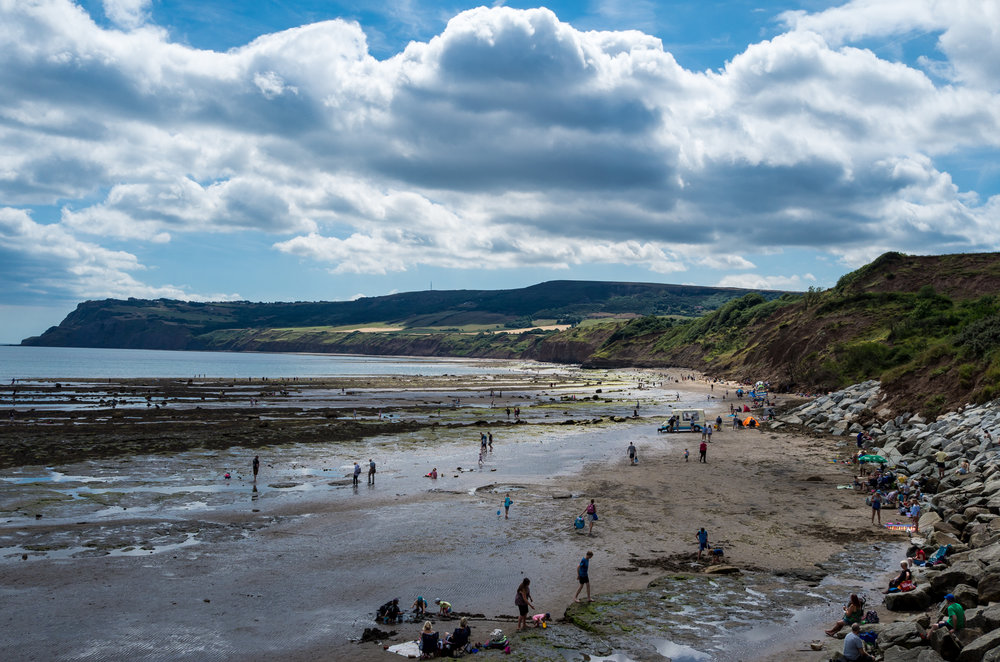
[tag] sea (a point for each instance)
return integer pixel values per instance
(25, 363)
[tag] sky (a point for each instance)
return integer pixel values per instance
(328, 150)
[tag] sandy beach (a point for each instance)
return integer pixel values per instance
(152, 555)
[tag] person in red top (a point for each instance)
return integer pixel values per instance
(703, 449)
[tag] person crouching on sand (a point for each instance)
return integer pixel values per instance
(540, 620)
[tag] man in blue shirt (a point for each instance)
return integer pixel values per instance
(854, 646)
(702, 541)
(583, 575)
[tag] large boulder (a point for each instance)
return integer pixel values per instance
(945, 527)
(971, 512)
(990, 555)
(904, 634)
(940, 538)
(945, 643)
(963, 572)
(989, 586)
(966, 596)
(928, 519)
(976, 650)
(900, 654)
(918, 599)
(983, 535)
(957, 520)
(984, 618)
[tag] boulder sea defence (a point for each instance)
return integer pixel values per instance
(961, 510)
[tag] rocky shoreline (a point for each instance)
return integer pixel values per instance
(960, 510)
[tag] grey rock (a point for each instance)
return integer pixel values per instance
(989, 586)
(989, 555)
(905, 634)
(964, 572)
(900, 654)
(966, 595)
(976, 650)
(918, 599)
(944, 643)
(984, 618)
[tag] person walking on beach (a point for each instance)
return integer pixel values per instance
(631, 453)
(256, 467)
(591, 512)
(703, 449)
(371, 471)
(583, 576)
(506, 506)
(687, 454)
(702, 541)
(877, 507)
(523, 602)
(357, 473)
(709, 430)
(490, 441)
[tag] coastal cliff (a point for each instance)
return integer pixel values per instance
(928, 327)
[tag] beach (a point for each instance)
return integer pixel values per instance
(173, 561)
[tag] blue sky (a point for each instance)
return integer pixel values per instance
(328, 150)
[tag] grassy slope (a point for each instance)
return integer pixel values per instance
(168, 324)
(928, 327)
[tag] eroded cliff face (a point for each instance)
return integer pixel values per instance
(118, 333)
(559, 349)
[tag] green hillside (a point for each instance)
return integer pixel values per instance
(928, 327)
(169, 324)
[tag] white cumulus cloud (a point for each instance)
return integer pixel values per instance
(509, 140)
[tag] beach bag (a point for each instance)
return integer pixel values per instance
(871, 616)
(497, 640)
(906, 585)
(578, 522)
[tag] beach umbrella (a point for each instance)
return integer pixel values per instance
(872, 458)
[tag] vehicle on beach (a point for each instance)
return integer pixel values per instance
(687, 420)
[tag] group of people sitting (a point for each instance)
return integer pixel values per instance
(952, 613)
(391, 613)
(432, 645)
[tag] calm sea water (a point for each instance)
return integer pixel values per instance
(82, 363)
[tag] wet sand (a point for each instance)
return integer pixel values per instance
(170, 561)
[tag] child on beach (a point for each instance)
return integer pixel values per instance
(506, 506)
(591, 513)
(540, 619)
(444, 608)
(419, 605)
(686, 455)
